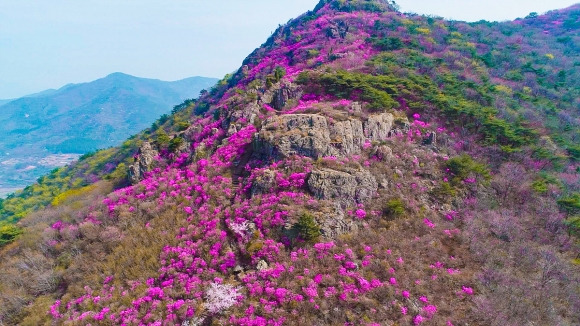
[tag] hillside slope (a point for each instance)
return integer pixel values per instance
(79, 118)
(363, 167)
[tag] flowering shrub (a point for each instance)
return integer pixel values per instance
(215, 233)
(219, 297)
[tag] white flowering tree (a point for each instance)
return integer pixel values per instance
(219, 297)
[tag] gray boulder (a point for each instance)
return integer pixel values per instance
(143, 163)
(314, 136)
(346, 188)
(347, 136)
(294, 134)
(378, 126)
(280, 94)
(335, 224)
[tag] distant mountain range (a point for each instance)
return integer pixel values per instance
(47, 129)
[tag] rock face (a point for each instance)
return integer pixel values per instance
(335, 224)
(343, 187)
(347, 136)
(378, 126)
(143, 162)
(294, 134)
(338, 30)
(314, 136)
(264, 183)
(280, 94)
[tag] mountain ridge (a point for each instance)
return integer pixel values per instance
(78, 118)
(362, 167)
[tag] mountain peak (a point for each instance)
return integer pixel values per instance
(357, 5)
(118, 75)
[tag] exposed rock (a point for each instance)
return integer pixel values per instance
(312, 135)
(356, 107)
(294, 134)
(431, 139)
(384, 183)
(344, 187)
(401, 125)
(262, 265)
(384, 153)
(200, 151)
(338, 30)
(192, 130)
(399, 173)
(143, 162)
(335, 225)
(248, 113)
(264, 183)
(378, 126)
(232, 129)
(280, 94)
(347, 136)
(238, 269)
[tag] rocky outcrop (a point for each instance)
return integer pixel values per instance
(335, 224)
(249, 113)
(346, 188)
(347, 136)
(264, 182)
(280, 94)
(378, 126)
(315, 136)
(294, 134)
(430, 140)
(338, 30)
(143, 163)
(384, 153)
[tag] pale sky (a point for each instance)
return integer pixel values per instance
(47, 44)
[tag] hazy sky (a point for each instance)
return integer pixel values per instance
(47, 44)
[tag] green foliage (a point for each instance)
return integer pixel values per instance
(8, 233)
(175, 144)
(87, 155)
(201, 108)
(181, 125)
(61, 198)
(443, 191)
(420, 84)
(514, 75)
(573, 225)
(162, 139)
(570, 204)
(276, 76)
(279, 73)
(376, 90)
(360, 5)
(395, 207)
(307, 227)
(83, 173)
(119, 175)
(180, 107)
(540, 185)
(462, 167)
(574, 152)
(386, 44)
(313, 53)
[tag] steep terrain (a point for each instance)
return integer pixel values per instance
(39, 130)
(363, 167)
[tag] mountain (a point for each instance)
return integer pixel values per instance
(363, 167)
(48, 129)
